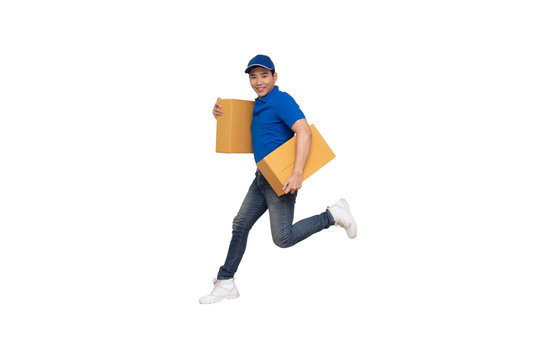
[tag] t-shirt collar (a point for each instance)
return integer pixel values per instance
(268, 96)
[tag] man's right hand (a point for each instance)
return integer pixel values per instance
(217, 109)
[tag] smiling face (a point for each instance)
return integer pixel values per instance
(262, 80)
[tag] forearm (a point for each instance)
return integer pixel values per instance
(303, 146)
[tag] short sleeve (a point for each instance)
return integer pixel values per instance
(288, 110)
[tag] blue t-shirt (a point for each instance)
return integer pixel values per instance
(273, 117)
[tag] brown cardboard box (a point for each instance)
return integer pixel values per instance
(233, 133)
(278, 165)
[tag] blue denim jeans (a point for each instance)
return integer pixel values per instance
(259, 198)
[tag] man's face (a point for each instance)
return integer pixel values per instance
(262, 80)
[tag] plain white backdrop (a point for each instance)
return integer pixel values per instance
(115, 211)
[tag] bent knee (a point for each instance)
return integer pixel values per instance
(282, 241)
(241, 224)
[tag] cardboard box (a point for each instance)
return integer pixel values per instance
(233, 134)
(277, 166)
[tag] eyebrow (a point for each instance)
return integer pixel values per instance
(262, 72)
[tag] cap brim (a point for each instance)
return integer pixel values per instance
(256, 65)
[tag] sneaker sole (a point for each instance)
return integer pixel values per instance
(230, 297)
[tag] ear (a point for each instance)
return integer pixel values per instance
(275, 76)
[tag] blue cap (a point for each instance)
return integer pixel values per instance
(260, 60)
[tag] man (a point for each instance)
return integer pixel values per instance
(276, 118)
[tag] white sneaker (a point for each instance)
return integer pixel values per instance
(342, 216)
(223, 289)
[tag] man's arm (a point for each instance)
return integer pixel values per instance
(303, 145)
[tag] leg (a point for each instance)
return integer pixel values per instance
(281, 209)
(252, 208)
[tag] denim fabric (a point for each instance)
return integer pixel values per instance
(259, 198)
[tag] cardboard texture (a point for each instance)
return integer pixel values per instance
(233, 134)
(278, 165)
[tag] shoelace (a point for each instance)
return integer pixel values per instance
(217, 285)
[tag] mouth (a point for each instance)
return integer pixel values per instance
(260, 89)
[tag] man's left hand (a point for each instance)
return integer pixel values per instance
(293, 183)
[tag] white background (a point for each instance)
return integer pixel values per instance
(115, 211)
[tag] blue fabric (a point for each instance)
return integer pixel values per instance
(261, 197)
(260, 60)
(273, 117)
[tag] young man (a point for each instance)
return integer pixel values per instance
(276, 118)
